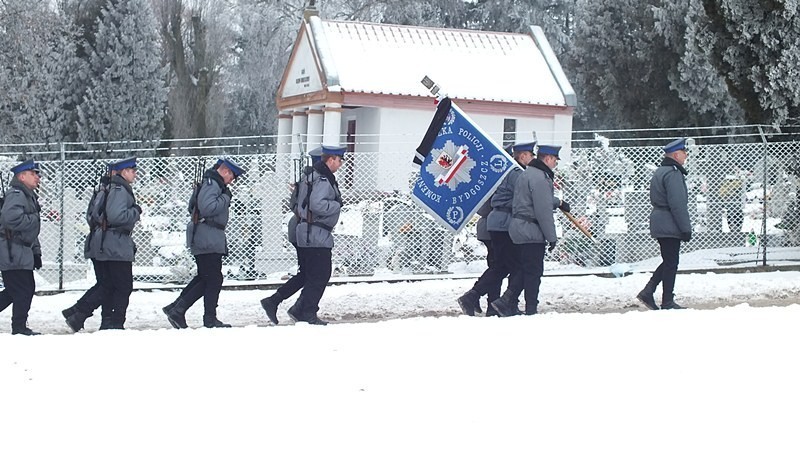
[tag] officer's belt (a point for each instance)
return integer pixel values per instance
(504, 209)
(526, 218)
(319, 224)
(213, 224)
(119, 230)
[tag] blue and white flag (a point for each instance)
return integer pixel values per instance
(460, 167)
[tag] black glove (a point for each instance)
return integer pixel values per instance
(686, 236)
(137, 208)
(551, 246)
(37, 261)
(564, 206)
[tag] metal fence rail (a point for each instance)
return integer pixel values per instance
(743, 204)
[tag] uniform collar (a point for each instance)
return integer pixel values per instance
(667, 161)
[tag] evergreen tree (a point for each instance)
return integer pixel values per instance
(40, 70)
(126, 95)
(517, 16)
(620, 67)
(695, 79)
(755, 46)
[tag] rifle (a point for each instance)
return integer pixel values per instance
(199, 169)
(2, 201)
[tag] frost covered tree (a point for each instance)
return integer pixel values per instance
(198, 38)
(554, 16)
(126, 95)
(755, 46)
(695, 79)
(38, 72)
(621, 66)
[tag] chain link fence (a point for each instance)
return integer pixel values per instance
(743, 204)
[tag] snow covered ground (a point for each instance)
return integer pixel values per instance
(400, 369)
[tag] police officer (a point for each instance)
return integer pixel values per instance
(20, 252)
(296, 282)
(115, 247)
(205, 235)
(532, 226)
(76, 315)
(497, 224)
(319, 204)
(669, 223)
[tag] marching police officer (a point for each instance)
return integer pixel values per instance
(76, 315)
(319, 204)
(532, 226)
(669, 223)
(205, 235)
(114, 246)
(20, 252)
(296, 282)
(498, 220)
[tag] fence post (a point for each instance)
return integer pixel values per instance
(764, 195)
(61, 221)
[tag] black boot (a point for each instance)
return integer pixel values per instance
(169, 307)
(294, 313)
(316, 321)
(668, 303)
(491, 311)
(21, 328)
(76, 320)
(270, 306)
(212, 321)
(176, 314)
(23, 331)
(67, 312)
(646, 296)
(506, 306)
(468, 302)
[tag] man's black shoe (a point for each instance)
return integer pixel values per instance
(177, 319)
(647, 299)
(270, 306)
(504, 308)
(316, 321)
(76, 321)
(23, 331)
(168, 307)
(213, 322)
(468, 302)
(292, 312)
(67, 312)
(671, 306)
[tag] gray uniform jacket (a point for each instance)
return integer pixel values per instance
(319, 210)
(19, 228)
(213, 206)
(481, 231)
(670, 200)
(532, 216)
(500, 217)
(121, 214)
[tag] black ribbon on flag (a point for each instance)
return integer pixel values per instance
(442, 110)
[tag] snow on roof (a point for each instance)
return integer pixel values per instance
(467, 64)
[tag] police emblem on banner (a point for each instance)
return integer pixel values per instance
(460, 167)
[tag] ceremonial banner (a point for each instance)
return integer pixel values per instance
(460, 167)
